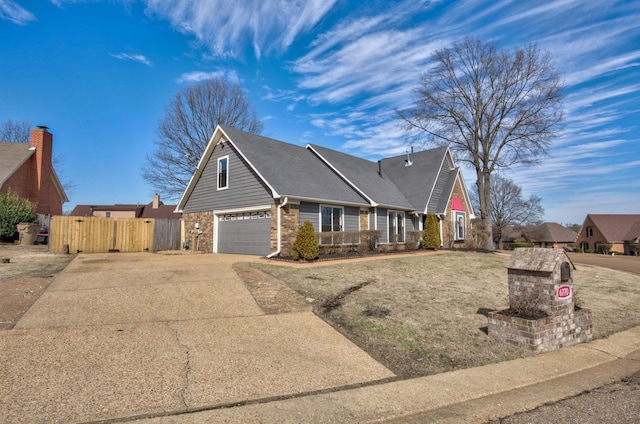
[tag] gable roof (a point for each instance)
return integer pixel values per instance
(550, 232)
(12, 156)
(320, 174)
(614, 228)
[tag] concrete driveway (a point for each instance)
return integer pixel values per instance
(141, 335)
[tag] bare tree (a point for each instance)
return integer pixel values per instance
(493, 108)
(189, 121)
(510, 209)
(15, 131)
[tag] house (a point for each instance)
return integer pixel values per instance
(154, 209)
(622, 232)
(549, 234)
(250, 194)
(26, 169)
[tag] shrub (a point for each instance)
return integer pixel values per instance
(604, 248)
(516, 245)
(14, 210)
(431, 239)
(306, 244)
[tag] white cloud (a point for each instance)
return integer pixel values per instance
(226, 27)
(12, 11)
(133, 57)
(197, 76)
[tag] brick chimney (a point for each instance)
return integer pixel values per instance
(156, 201)
(41, 186)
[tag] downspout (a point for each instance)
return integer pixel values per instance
(440, 219)
(279, 219)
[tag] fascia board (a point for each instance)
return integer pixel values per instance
(218, 134)
(274, 192)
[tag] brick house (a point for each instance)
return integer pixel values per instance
(620, 231)
(27, 169)
(154, 209)
(250, 194)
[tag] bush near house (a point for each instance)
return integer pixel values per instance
(306, 244)
(14, 210)
(431, 239)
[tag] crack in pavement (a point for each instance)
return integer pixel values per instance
(187, 366)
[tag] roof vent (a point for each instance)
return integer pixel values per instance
(407, 161)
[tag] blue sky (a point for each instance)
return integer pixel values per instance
(331, 72)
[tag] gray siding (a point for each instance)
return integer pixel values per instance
(351, 218)
(438, 189)
(311, 212)
(382, 225)
(245, 187)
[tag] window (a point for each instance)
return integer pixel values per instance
(584, 246)
(331, 219)
(589, 231)
(396, 227)
(459, 225)
(223, 172)
(108, 214)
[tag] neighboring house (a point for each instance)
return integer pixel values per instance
(154, 209)
(620, 231)
(250, 194)
(549, 234)
(26, 169)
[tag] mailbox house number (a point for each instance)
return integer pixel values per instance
(564, 292)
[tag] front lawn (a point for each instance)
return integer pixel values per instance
(426, 313)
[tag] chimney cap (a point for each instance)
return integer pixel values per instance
(43, 127)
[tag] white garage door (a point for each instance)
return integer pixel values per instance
(245, 233)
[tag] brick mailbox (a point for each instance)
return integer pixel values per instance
(541, 280)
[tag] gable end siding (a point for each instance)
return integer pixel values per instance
(441, 182)
(245, 187)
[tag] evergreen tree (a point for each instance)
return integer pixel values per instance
(431, 239)
(306, 244)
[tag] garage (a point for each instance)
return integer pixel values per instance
(246, 233)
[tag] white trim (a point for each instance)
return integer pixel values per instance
(404, 225)
(220, 159)
(333, 207)
(211, 146)
(334, 169)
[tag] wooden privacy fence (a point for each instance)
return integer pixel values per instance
(90, 234)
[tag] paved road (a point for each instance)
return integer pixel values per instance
(619, 262)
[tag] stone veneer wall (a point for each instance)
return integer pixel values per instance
(364, 219)
(290, 223)
(203, 242)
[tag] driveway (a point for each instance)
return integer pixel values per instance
(619, 262)
(142, 335)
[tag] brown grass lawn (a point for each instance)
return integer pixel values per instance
(426, 313)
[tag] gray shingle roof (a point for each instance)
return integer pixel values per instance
(418, 182)
(292, 170)
(364, 175)
(12, 155)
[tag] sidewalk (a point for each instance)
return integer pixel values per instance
(475, 395)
